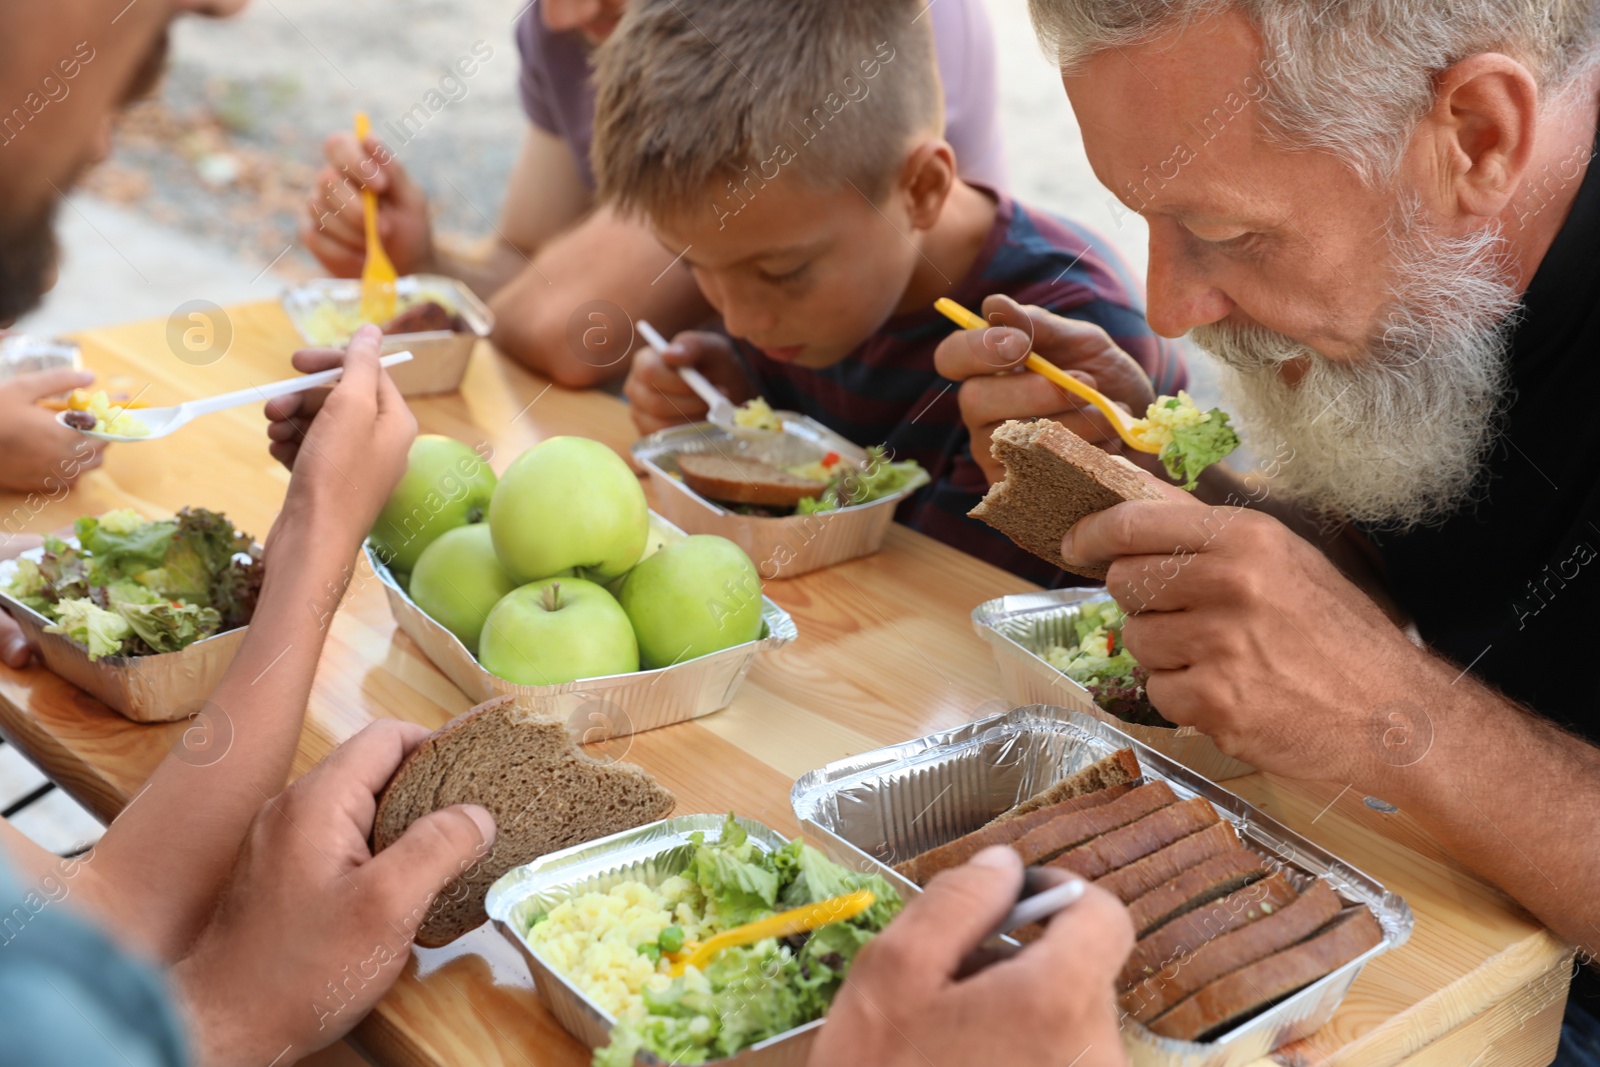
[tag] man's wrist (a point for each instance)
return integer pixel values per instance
(219, 1032)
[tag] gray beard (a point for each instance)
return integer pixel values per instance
(1401, 438)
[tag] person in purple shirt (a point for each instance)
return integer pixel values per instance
(557, 258)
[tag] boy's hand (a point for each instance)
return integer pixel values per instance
(346, 445)
(994, 389)
(36, 451)
(333, 228)
(1051, 1004)
(659, 397)
(314, 929)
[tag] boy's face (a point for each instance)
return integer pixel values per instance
(804, 274)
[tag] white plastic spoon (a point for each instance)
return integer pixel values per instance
(722, 410)
(162, 421)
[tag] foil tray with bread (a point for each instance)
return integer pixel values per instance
(1249, 935)
(703, 477)
(439, 321)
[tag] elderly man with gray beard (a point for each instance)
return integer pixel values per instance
(1380, 217)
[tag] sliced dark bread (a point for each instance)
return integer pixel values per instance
(1060, 834)
(543, 792)
(1216, 1005)
(1137, 840)
(1187, 933)
(744, 480)
(1201, 884)
(1133, 881)
(1053, 479)
(922, 867)
(1225, 954)
(1119, 768)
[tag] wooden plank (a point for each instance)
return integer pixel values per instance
(886, 653)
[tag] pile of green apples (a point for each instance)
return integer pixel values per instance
(553, 572)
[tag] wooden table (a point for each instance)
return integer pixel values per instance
(886, 653)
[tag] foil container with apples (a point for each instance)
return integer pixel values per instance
(159, 688)
(1020, 627)
(440, 357)
(597, 709)
(648, 854)
(899, 801)
(782, 547)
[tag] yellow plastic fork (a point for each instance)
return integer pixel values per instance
(784, 924)
(1120, 420)
(377, 275)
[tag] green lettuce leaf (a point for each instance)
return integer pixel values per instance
(167, 627)
(738, 889)
(119, 544)
(1194, 448)
(101, 632)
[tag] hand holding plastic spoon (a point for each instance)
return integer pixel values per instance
(163, 421)
(722, 410)
(1120, 420)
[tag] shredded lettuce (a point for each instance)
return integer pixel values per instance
(753, 992)
(878, 479)
(168, 582)
(1100, 662)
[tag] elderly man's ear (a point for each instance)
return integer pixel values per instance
(1478, 141)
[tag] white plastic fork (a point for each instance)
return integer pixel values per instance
(163, 421)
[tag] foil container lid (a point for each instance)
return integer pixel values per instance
(22, 353)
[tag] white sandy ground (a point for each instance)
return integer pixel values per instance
(321, 62)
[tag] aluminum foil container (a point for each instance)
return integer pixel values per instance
(441, 356)
(902, 800)
(648, 854)
(597, 709)
(22, 353)
(781, 547)
(1019, 628)
(161, 688)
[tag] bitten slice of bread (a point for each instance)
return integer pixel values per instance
(1053, 479)
(742, 480)
(543, 792)
(1119, 768)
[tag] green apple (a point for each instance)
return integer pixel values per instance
(652, 545)
(694, 597)
(569, 502)
(446, 484)
(557, 630)
(458, 579)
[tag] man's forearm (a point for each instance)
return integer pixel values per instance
(157, 871)
(1507, 793)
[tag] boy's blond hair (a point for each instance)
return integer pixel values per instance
(701, 103)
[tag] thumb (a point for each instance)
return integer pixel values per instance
(14, 650)
(955, 913)
(433, 852)
(40, 384)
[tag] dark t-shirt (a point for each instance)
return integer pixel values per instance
(1511, 586)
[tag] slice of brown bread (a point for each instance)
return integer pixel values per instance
(1188, 932)
(922, 867)
(1119, 768)
(743, 480)
(543, 792)
(1201, 884)
(1136, 840)
(1226, 954)
(1133, 881)
(1060, 834)
(1249, 989)
(1053, 479)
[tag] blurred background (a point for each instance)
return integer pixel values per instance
(207, 181)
